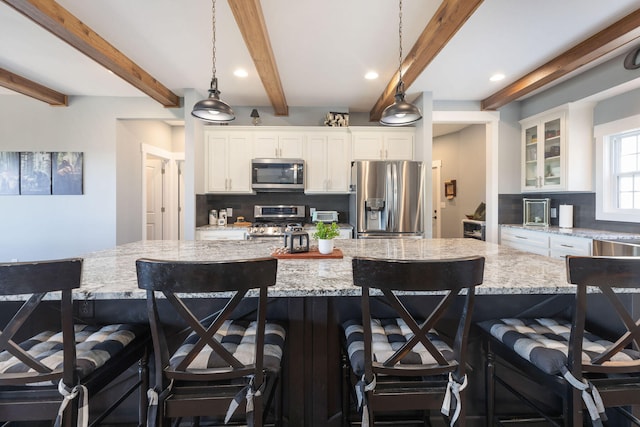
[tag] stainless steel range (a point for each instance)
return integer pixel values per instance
(271, 221)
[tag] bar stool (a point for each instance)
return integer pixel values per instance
(227, 357)
(55, 372)
(402, 362)
(557, 359)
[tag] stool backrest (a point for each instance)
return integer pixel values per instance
(34, 280)
(179, 280)
(607, 274)
(446, 278)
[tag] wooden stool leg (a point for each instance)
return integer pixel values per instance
(489, 382)
(345, 388)
(143, 377)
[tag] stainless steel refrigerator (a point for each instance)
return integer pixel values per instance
(386, 199)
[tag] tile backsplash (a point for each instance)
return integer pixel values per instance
(509, 207)
(584, 210)
(243, 204)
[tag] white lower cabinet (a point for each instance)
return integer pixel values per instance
(544, 243)
(345, 234)
(222, 234)
(561, 246)
(525, 240)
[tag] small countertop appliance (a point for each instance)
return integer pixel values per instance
(324, 216)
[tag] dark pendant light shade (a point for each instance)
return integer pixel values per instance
(400, 113)
(212, 109)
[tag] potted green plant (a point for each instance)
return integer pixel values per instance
(325, 235)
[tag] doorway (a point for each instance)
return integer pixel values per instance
(155, 195)
(490, 120)
(163, 194)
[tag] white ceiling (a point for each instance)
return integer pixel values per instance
(322, 48)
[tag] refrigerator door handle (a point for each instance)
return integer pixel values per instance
(393, 210)
(388, 196)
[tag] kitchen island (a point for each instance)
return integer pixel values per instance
(315, 295)
(110, 274)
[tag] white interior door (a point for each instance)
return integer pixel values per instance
(180, 169)
(435, 202)
(154, 169)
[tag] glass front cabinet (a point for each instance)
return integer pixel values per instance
(556, 150)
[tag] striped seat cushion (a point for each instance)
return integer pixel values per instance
(95, 345)
(544, 342)
(238, 338)
(388, 335)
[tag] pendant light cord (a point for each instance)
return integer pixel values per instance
(213, 109)
(400, 38)
(213, 41)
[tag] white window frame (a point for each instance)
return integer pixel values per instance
(606, 187)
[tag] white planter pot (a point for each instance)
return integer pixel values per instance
(325, 246)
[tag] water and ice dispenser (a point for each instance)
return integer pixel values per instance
(376, 215)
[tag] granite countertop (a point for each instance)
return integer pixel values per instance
(341, 225)
(244, 227)
(576, 232)
(222, 227)
(110, 274)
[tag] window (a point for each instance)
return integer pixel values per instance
(626, 155)
(618, 170)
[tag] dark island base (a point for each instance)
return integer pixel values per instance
(313, 375)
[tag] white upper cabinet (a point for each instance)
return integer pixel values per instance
(228, 162)
(327, 152)
(557, 149)
(383, 144)
(327, 162)
(278, 144)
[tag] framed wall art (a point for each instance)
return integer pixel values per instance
(450, 189)
(35, 172)
(9, 172)
(67, 173)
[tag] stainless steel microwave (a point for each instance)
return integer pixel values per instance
(277, 174)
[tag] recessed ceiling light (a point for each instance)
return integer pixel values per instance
(240, 73)
(371, 75)
(496, 77)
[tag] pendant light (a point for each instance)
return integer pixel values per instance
(213, 109)
(400, 113)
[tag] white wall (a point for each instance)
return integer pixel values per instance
(463, 159)
(45, 227)
(509, 150)
(610, 76)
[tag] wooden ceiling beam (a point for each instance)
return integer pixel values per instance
(613, 37)
(250, 20)
(57, 20)
(30, 88)
(445, 23)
